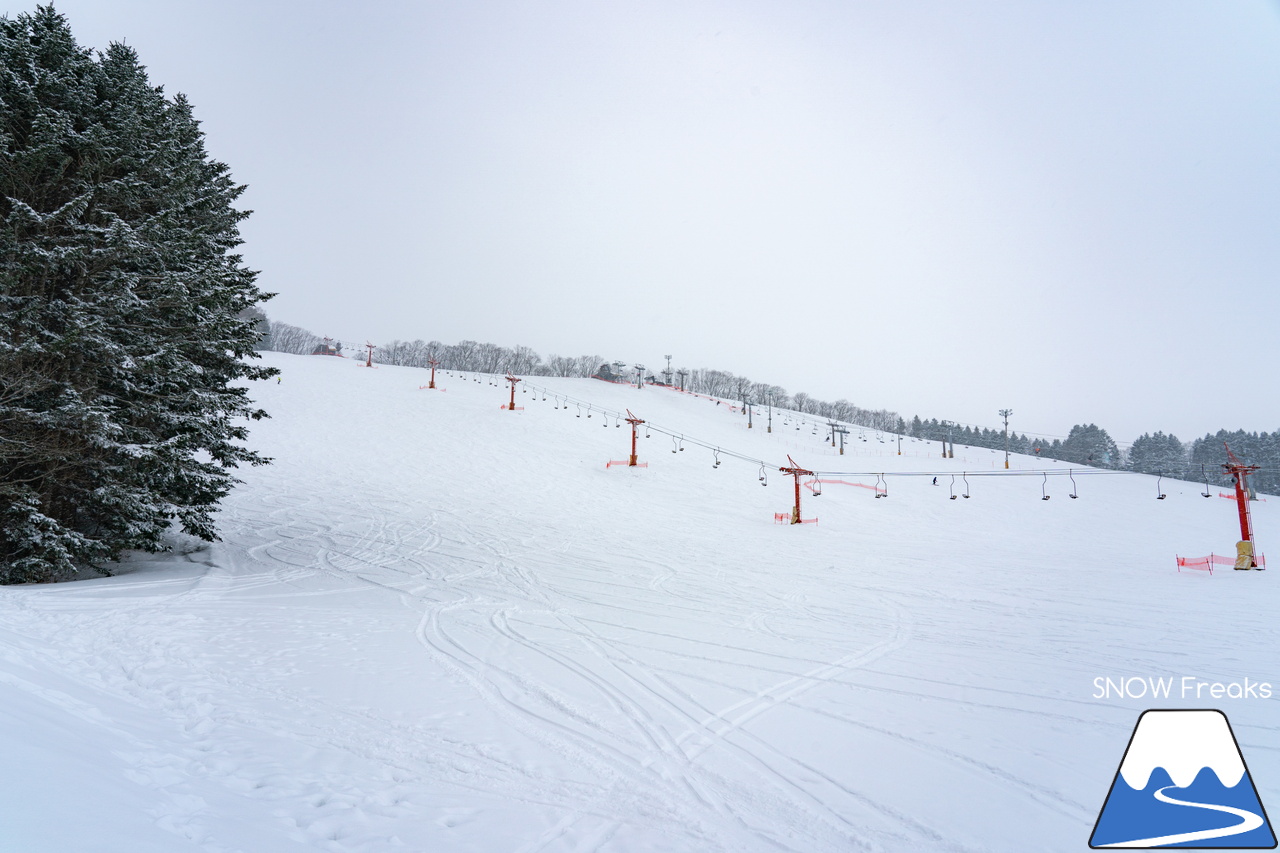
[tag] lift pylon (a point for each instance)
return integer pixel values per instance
(433, 363)
(513, 380)
(632, 463)
(797, 472)
(1246, 550)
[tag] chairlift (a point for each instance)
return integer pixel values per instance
(817, 486)
(1205, 493)
(953, 487)
(674, 446)
(965, 476)
(716, 453)
(1160, 495)
(579, 410)
(1044, 496)
(1073, 494)
(882, 486)
(764, 480)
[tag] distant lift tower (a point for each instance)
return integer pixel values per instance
(1246, 552)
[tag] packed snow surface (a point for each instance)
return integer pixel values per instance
(437, 625)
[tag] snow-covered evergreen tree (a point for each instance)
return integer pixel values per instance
(1159, 454)
(121, 337)
(1088, 445)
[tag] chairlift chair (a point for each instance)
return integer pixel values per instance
(952, 486)
(1044, 496)
(965, 476)
(1205, 493)
(1160, 495)
(1073, 494)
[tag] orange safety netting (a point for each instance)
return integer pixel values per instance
(1206, 564)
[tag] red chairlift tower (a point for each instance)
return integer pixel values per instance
(797, 472)
(369, 361)
(1246, 553)
(433, 363)
(632, 463)
(513, 380)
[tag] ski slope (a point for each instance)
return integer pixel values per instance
(436, 625)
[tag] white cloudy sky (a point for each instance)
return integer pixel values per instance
(940, 208)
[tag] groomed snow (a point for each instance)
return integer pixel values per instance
(434, 625)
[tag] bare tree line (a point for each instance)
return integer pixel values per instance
(524, 361)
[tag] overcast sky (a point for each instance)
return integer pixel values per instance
(1067, 209)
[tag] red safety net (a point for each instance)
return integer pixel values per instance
(1206, 564)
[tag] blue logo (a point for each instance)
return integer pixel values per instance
(1183, 783)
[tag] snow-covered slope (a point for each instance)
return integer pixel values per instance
(435, 625)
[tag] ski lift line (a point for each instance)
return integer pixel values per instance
(676, 436)
(1051, 472)
(797, 416)
(684, 438)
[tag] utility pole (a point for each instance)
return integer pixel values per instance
(1004, 413)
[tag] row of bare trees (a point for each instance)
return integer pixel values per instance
(523, 361)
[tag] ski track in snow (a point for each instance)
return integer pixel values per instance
(368, 665)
